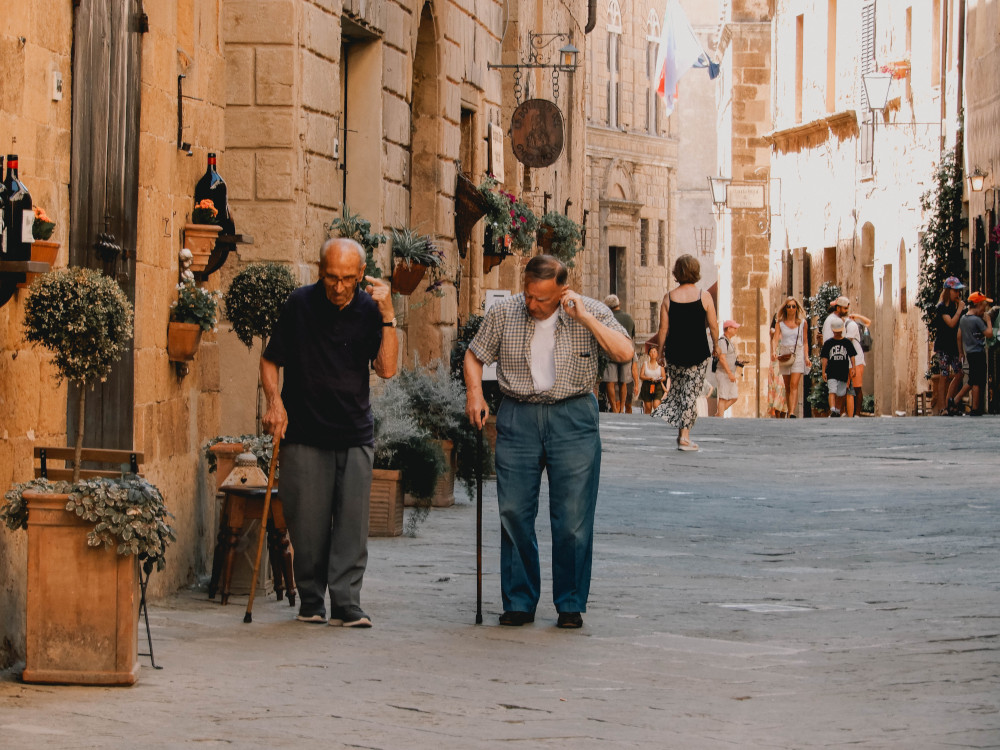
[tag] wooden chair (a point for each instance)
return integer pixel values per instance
(128, 463)
(922, 404)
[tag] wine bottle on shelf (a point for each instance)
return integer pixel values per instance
(17, 214)
(3, 223)
(212, 186)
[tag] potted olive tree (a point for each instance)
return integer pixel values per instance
(84, 537)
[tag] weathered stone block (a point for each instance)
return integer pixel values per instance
(250, 128)
(323, 181)
(239, 75)
(320, 83)
(396, 71)
(396, 119)
(275, 175)
(237, 166)
(259, 21)
(397, 163)
(320, 133)
(275, 76)
(321, 30)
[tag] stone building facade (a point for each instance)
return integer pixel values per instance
(647, 200)
(854, 216)
(309, 104)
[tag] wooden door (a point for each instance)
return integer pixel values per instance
(104, 176)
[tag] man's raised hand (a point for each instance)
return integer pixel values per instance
(382, 294)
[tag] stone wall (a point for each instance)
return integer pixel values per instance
(173, 416)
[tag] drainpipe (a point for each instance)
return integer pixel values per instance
(591, 16)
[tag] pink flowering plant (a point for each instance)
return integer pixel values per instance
(511, 223)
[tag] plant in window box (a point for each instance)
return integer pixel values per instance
(354, 227)
(414, 255)
(559, 235)
(42, 248)
(510, 224)
(195, 310)
(200, 235)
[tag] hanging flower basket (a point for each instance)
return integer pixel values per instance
(182, 341)
(200, 240)
(406, 277)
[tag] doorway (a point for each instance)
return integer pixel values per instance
(104, 188)
(616, 273)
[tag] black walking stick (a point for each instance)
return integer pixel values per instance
(248, 617)
(479, 519)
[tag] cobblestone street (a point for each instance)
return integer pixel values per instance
(796, 584)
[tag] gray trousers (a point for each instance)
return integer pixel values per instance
(325, 496)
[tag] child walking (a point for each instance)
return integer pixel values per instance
(837, 359)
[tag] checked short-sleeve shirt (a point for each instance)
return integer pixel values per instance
(505, 338)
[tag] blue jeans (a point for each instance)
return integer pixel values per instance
(564, 440)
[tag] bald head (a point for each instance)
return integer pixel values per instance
(341, 269)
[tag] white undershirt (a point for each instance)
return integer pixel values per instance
(543, 353)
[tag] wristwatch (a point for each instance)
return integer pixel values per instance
(389, 323)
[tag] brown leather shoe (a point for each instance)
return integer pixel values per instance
(569, 620)
(516, 619)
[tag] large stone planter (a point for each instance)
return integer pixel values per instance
(444, 490)
(83, 602)
(386, 503)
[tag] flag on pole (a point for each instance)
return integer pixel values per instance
(679, 51)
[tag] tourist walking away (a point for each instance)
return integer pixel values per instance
(776, 405)
(837, 362)
(651, 375)
(685, 313)
(947, 313)
(618, 376)
(788, 348)
(973, 330)
(852, 330)
(545, 342)
(727, 388)
(328, 335)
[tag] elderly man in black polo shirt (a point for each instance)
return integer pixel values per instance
(545, 342)
(327, 337)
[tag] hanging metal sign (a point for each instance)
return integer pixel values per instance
(536, 133)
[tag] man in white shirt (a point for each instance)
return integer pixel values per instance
(841, 312)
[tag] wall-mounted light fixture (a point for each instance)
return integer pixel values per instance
(567, 60)
(719, 185)
(877, 90)
(977, 180)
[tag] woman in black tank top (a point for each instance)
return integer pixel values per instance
(685, 313)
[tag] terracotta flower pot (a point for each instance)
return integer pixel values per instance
(405, 278)
(182, 341)
(200, 240)
(385, 516)
(83, 602)
(45, 252)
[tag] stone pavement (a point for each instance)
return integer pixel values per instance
(796, 584)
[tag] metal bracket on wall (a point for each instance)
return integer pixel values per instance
(182, 145)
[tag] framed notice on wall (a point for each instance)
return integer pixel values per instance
(495, 137)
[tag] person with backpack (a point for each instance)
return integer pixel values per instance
(856, 329)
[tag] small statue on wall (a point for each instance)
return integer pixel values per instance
(186, 258)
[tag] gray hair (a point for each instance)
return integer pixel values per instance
(612, 301)
(544, 267)
(331, 241)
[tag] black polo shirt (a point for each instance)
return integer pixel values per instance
(326, 354)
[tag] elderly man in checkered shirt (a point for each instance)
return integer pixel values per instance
(545, 342)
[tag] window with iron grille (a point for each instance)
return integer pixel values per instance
(643, 242)
(661, 243)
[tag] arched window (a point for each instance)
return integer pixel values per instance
(614, 61)
(614, 17)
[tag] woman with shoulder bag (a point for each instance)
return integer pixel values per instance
(788, 347)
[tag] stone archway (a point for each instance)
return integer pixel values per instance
(430, 320)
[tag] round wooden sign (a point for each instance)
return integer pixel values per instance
(536, 133)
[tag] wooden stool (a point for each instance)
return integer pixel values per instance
(242, 504)
(922, 404)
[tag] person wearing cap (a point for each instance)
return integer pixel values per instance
(973, 330)
(947, 313)
(852, 331)
(837, 365)
(618, 376)
(725, 374)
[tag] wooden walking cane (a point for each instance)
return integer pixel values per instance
(479, 520)
(248, 617)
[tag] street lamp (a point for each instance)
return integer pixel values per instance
(877, 89)
(567, 58)
(719, 185)
(977, 180)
